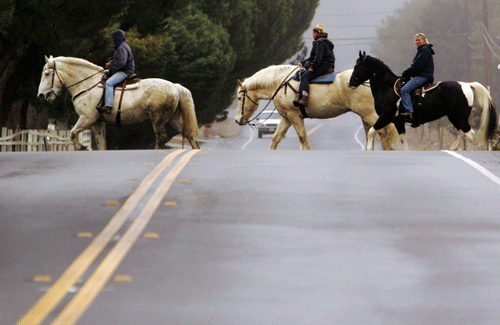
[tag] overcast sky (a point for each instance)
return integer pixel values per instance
(351, 26)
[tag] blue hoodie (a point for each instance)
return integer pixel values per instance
(423, 63)
(123, 59)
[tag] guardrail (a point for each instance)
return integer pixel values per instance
(40, 140)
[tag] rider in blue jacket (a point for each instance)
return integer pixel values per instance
(420, 71)
(122, 66)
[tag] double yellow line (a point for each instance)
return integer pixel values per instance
(89, 291)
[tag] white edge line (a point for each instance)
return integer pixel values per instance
(249, 140)
(363, 147)
(474, 164)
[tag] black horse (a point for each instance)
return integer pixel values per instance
(451, 98)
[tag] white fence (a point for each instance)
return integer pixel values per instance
(40, 140)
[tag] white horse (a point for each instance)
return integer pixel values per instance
(325, 101)
(157, 99)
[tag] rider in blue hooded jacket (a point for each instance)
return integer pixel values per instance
(122, 66)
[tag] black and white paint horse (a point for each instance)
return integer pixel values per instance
(450, 98)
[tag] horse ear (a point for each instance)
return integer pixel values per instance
(46, 59)
(364, 54)
(240, 84)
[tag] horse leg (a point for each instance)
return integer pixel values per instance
(400, 127)
(387, 131)
(404, 141)
(459, 139)
(469, 140)
(280, 132)
(98, 131)
(298, 123)
(83, 123)
(159, 128)
(370, 139)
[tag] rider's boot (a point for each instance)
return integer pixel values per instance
(303, 99)
(104, 109)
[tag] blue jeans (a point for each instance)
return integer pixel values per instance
(110, 87)
(413, 84)
(307, 77)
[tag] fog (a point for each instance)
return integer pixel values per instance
(351, 26)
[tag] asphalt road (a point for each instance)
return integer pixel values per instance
(249, 237)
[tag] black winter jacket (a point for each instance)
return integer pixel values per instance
(423, 63)
(321, 53)
(123, 59)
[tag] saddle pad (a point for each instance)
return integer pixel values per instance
(328, 79)
(129, 86)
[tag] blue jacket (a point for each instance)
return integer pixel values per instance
(423, 63)
(123, 59)
(321, 53)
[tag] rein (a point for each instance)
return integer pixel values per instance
(244, 91)
(76, 83)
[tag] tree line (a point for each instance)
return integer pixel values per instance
(205, 45)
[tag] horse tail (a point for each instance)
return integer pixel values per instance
(489, 118)
(188, 113)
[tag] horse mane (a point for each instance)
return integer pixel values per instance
(77, 62)
(380, 67)
(270, 77)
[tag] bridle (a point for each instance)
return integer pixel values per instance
(55, 73)
(245, 92)
(357, 83)
(245, 96)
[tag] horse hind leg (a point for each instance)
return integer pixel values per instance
(98, 133)
(159, 129)
(469, 140)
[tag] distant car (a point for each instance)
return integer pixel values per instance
(268, 122)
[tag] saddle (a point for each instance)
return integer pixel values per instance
(128, 81)
(416, 98)
(428, 86)
(327, 78)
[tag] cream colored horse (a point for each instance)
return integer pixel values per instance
(156, 99)
(325, 101)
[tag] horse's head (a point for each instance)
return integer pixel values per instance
(49, 84)
(246, 105)
(360, 73)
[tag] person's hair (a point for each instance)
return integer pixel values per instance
(422, 35)
(319, 29)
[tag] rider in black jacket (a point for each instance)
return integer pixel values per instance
(317, 64)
